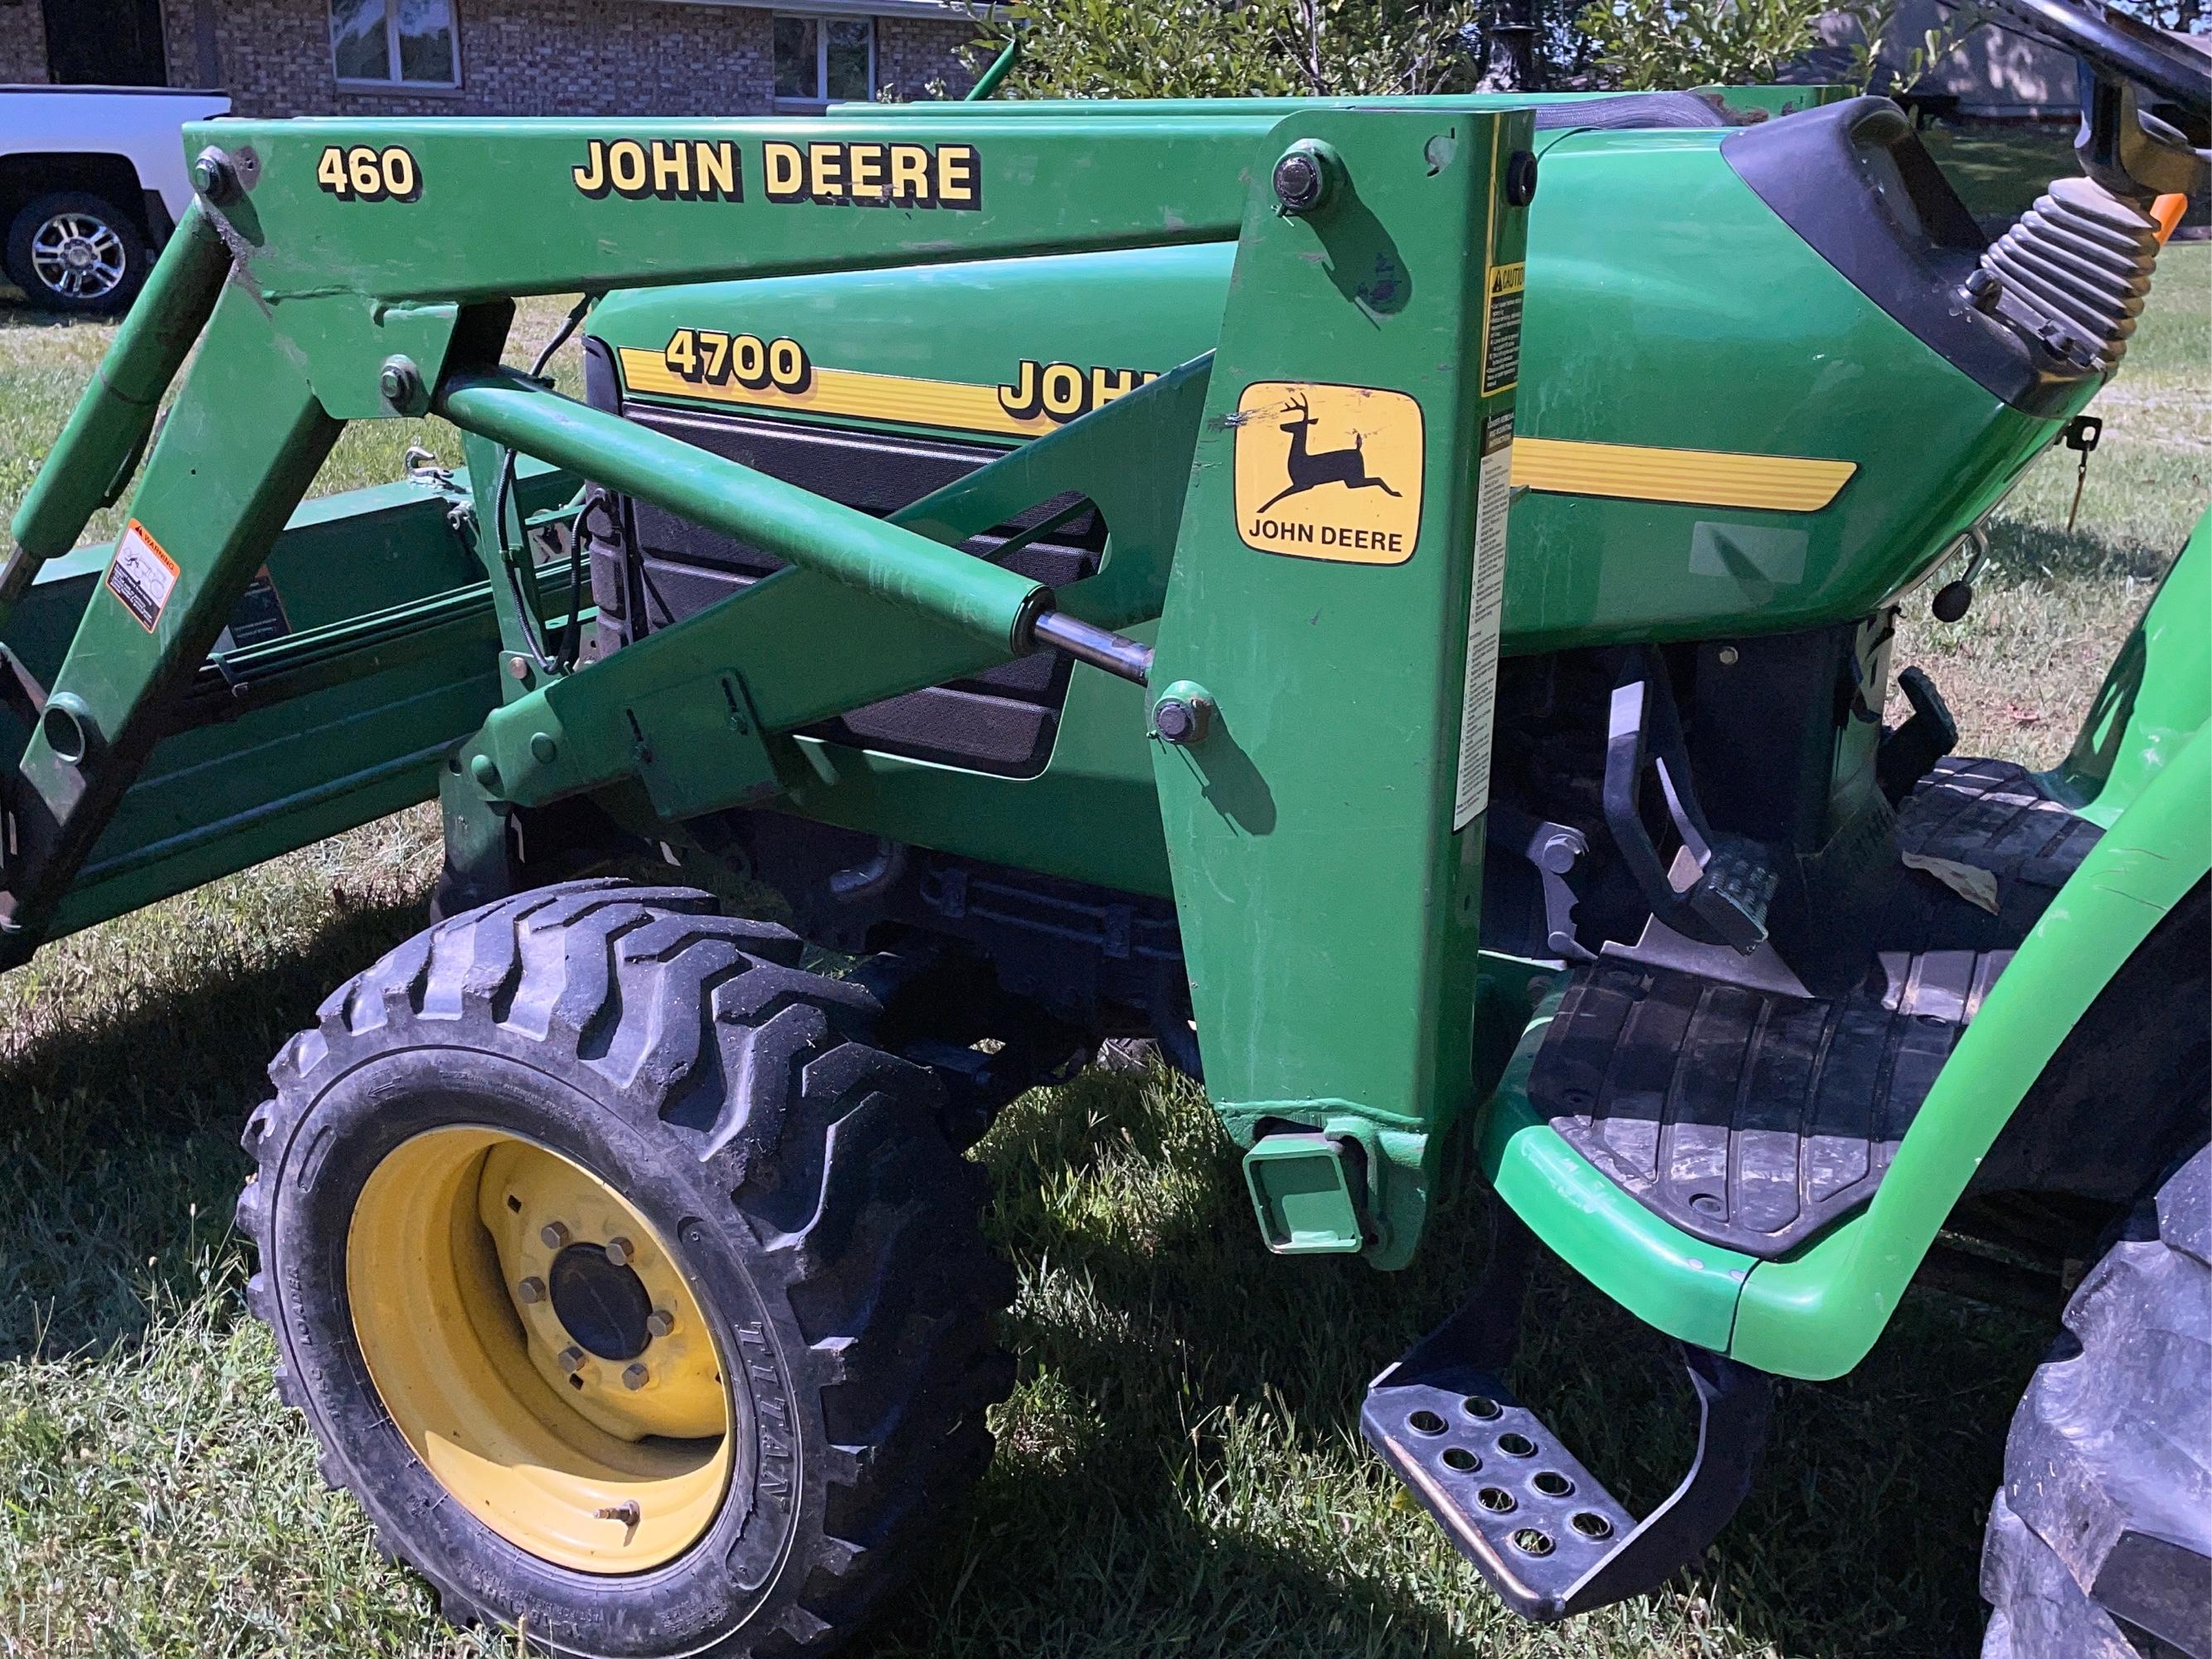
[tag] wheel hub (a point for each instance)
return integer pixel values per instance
(78, 255)
(603, 1306)
(539, 1346)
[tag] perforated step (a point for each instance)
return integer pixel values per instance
(1515, 1501)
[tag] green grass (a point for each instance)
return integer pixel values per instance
(1999, 168)
(1179, 1470)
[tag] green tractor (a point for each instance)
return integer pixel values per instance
(1390, 601)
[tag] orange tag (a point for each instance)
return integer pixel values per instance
(2167, 210)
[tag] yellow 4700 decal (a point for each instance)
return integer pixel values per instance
(362, 174)
(705, 357)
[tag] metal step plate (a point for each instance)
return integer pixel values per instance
(1513, 1500)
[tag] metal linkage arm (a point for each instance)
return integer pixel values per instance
(88, 465)
(986, 600)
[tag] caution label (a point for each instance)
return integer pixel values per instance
(1501, 328)
(1486, 612)
(141, 575)
(1329, 472)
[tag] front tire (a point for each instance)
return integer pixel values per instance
(2100, 1543)
(777, 1338)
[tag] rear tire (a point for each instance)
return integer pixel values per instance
(71, 251)
(796, 1181)
(2100, 1543)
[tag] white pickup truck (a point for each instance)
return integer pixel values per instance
(92, 181)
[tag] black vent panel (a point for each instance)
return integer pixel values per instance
(1003, 721)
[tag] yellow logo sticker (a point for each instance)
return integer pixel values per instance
(1329, 472)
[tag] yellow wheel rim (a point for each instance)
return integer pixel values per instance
(497, 1289)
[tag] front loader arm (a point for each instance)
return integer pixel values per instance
(335, 271)
(1316, 519)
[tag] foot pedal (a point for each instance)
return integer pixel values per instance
(1540, 1528)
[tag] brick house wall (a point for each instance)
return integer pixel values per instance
(517, 57)
(22, 44)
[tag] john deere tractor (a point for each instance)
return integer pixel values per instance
(1390, 601)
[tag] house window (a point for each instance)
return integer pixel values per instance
(818, 59)
(395, 43)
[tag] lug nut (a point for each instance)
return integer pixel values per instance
(571, 1359)
(554, 1235)
(621, 1251)
(531, 1290)
(660, 1321)
(635, 1377)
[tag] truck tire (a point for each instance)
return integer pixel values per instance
(2099, 1542)
(75, 252)
(643, 1304)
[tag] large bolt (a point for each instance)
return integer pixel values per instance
(621, 1251)
(571, 1359)
(554, 1235)
(214, 176)
(1306, 176)
(635, 1377)
(1182, 719)
(401, 385)
(531, 1290)
(660, 1321)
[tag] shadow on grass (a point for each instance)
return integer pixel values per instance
(1862, 1537)
(119, 1161)
(2023, 551)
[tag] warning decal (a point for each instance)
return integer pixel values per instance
(141, 575)
(1493, 498)
(1501, 329)
(1329, 472)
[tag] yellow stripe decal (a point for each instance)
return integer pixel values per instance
(953, 405)
(1697, 477)
(1694, 478)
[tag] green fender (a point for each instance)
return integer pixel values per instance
(2143, 765)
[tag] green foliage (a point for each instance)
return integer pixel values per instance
(1234, 48)
(1875, 69)
(1650, 44)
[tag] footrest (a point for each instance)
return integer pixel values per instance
(1539, 1527)
(1515, 1501)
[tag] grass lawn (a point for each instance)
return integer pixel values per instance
(1179, 1471)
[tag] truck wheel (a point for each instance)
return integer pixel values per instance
(643, 1304)
(71, 251)
(2100, 1543)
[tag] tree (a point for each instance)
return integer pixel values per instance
(1238, 48)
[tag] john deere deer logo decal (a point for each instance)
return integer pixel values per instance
(1347, 486)
(1309, 470)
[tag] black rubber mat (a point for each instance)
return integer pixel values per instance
(1753, 1120)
